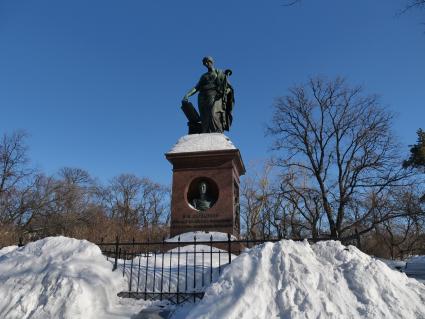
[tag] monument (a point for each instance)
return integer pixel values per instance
(215, 101)
(206, 165)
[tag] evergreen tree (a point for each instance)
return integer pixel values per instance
(417, 153)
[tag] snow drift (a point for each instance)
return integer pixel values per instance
(59, 277)
(298, 280)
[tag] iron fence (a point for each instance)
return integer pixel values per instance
(177, 271)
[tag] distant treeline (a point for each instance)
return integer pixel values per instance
(72, 203)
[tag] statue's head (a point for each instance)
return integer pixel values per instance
(202, 188)
(208, 61)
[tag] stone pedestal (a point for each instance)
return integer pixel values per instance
(205, 158)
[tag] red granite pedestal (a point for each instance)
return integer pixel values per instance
(220, 170)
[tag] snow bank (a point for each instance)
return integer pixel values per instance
(202, 142)
(298, 280)
(59, 277)
(7, 249)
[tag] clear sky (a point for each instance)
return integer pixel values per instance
(97, 84)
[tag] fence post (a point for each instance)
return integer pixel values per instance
(169, 275)
(203, 281)
(162, 268)
(211, 260)
(117, 243)
(178, 270)
(146, 270)
(125, 259)
(185, 281)
(132, 256)
(138, 274)
(219, 261)
(229, 248)
(154, 271)
(194, 269)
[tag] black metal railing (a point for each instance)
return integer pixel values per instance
(178, 271)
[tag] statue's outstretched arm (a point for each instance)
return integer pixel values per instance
(189, 94)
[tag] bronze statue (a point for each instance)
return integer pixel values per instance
(204, 201)
(215, 101)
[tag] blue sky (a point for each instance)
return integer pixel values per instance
(97, 84)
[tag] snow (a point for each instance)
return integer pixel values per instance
(201, 236)
(202, 142)
(415, 268)
(59, 277)
(6, 250)
(152, 276)
(394, 264)
(417, 259)
(298, 280)
(205, 264)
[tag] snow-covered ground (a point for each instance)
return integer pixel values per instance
(415, 267)
(164, 272)
(394, 264)
(60, 277)
(417, 259)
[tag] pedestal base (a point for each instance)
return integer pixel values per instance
(219, 170)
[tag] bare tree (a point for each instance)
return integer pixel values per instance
(404, 235)
(288, 3)
(74, 190)
(255, 193)
(61, 204)
(305, 201)
(15, 177)
(137, 201)
(413, 4)
(265, 211)
(341, 140)
(123, 198)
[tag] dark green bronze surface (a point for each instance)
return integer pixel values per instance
(215, 99)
